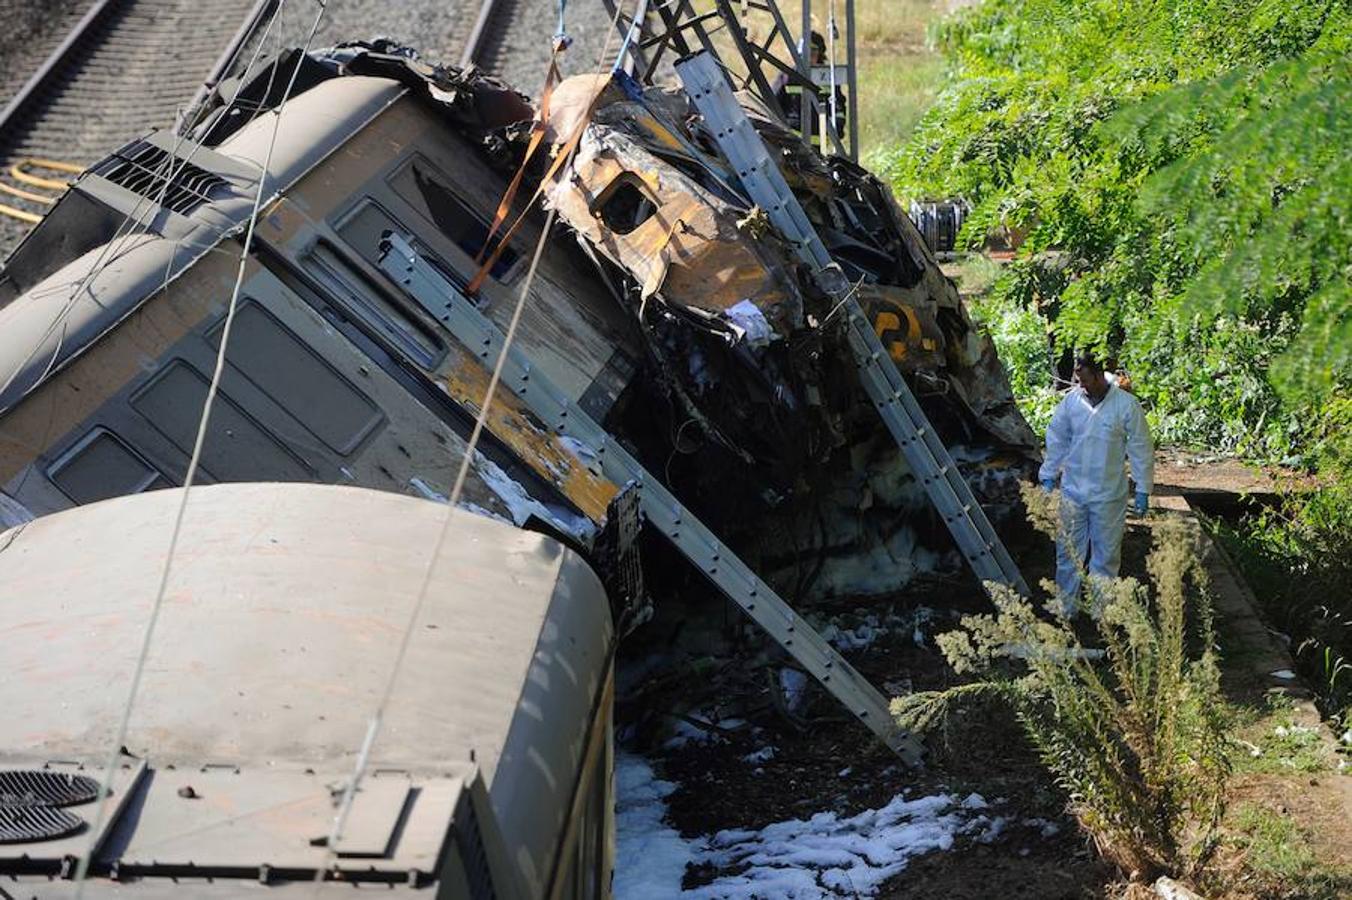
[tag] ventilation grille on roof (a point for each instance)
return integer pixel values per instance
(39, 787)
(30, 801)
(142, 167)
(21, 824)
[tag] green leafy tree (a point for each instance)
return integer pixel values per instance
(1177, 178)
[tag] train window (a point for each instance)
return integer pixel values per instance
(286, 369)
(237, 447)
(369, 303)
(365, 228)
(625, 204)
(102, 465)
(428, 191)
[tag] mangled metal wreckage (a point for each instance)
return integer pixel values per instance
(675, 364)
(675, 359)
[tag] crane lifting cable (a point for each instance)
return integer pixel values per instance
(82, 870)
(376, 721)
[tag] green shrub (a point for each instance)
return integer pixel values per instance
(1298, 559)
(1136, 734)
(1020, 337)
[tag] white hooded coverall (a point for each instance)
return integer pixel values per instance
(1087, 446)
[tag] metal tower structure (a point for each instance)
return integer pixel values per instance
(805, 77)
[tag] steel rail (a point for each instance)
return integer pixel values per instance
(55, 60)
(226, 61)
(484, 25)
(106, 81)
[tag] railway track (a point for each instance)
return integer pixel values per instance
(124, 67)
(486, 31)
(513, 38)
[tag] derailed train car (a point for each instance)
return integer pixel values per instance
(676, 319)
(491, 776)
(669, 312)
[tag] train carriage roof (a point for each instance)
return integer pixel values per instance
(281, 623)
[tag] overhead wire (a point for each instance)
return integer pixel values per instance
(168, 175)
(82, 870)
(376, 721)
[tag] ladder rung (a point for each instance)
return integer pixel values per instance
(901, 413)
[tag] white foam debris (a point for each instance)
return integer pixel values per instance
(866, 631)
(923, 616)
(688, 732)
(481, 511)
(891, 560)
(650, 857)
(828, 855)
(698, 368)
(991, 829)
(521, 505)
(1046, 827)
(1293, 730)
(824, 856)
(584, 452)
(426, 491)
(763, 755)
(975, 801)
(747, 318)
(794, 685)
(856, 638)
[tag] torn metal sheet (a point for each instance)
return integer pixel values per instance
(679, 318)
(651, 198)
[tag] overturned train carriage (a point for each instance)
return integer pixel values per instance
(674, 316)
(491, 775)
(670, 346)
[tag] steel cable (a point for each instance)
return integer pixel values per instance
(82, 871)
(377, 718)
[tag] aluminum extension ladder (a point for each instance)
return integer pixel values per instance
(925, 453)
(449, 306)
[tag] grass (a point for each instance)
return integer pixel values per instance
(1285, 748)
(1279, 860)
(899, 75)
(1270, 740)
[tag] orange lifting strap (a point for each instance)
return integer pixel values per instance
(537, 137)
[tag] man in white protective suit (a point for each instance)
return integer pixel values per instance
(1095, 430)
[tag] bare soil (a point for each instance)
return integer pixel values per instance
(824, 760)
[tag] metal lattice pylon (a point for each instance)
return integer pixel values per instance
(761, 54)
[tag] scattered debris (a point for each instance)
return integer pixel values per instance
(823, 855)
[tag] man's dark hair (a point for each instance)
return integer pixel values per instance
(1088, 360)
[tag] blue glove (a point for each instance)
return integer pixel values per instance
(1142, 502)
(1048, 485)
